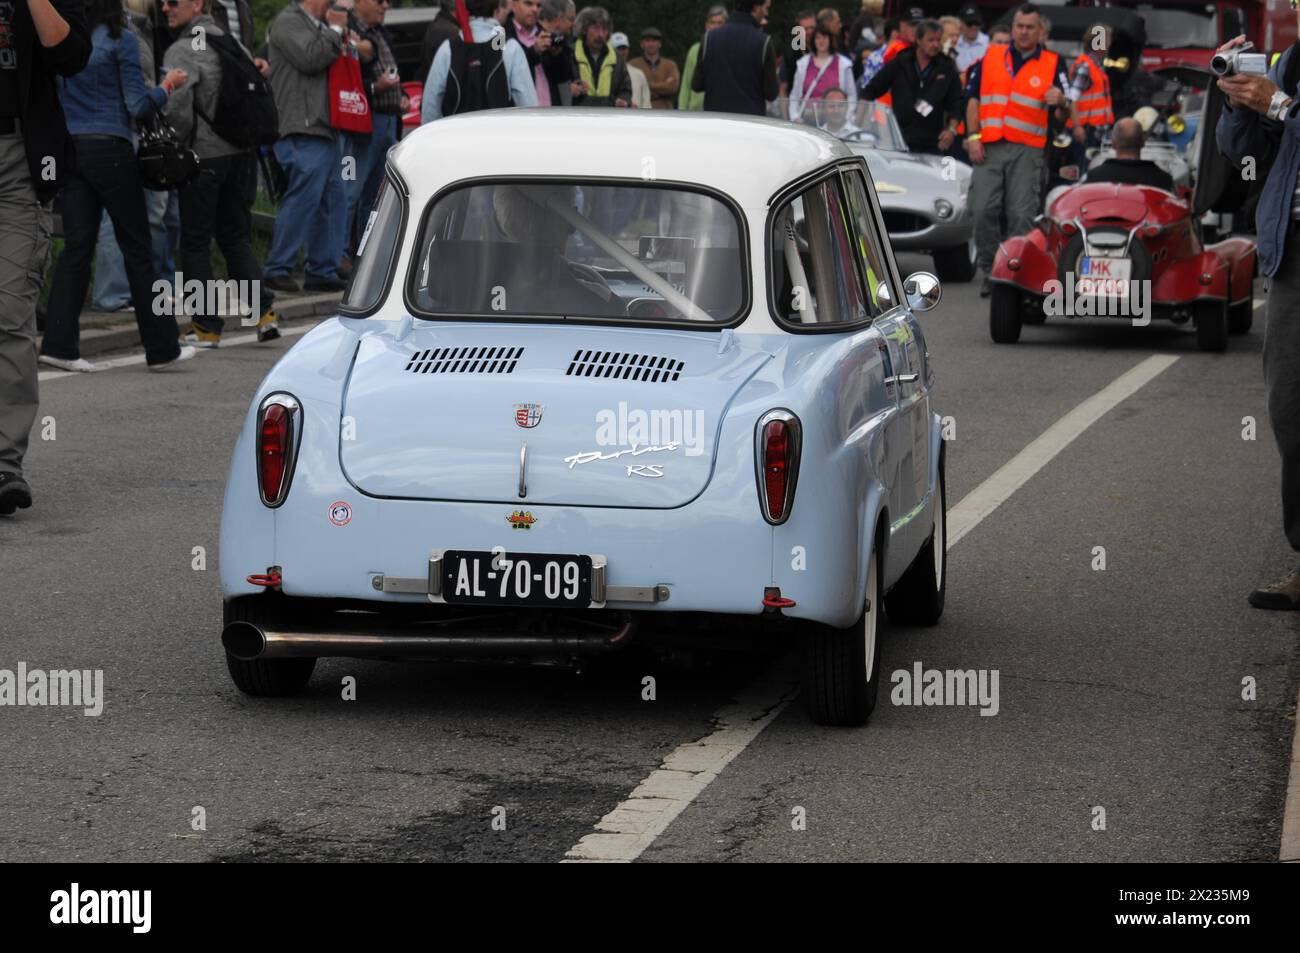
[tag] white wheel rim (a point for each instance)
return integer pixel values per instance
(869, 617)
(940, 540)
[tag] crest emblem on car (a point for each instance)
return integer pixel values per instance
(528, 415)
(521, 519)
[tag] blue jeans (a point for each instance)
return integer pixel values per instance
(382, 139)
(111, 287)
(312, 212)
(357, 147)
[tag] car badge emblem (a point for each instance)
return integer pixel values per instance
(528, 415)
(521, 519)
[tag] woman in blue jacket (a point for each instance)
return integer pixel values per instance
(100, 103)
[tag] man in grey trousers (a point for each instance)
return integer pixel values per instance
(38, 39)
(1012, 92)
(1260, 128)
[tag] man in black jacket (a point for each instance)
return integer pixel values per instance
(441, 29)
(926, 92)
(736, 70)
(38, 39)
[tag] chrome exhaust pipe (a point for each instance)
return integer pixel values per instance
(247, 641)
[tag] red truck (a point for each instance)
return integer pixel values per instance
(1186, 34)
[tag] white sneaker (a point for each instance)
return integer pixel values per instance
(186, 353)
(81, 365)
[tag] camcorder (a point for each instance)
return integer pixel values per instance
(1239, 61)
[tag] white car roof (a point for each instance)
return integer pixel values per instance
(747, 158)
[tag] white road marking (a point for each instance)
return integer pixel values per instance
(1012, 475)
(130, 359)
(624, 833)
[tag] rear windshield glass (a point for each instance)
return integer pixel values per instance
(571, 250)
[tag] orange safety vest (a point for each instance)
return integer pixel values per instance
(1094, 105)
(895, 47)
(1012, 107)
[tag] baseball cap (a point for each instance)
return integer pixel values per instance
(971, 15)
(652, 33)
(914, 15)
(619, 41)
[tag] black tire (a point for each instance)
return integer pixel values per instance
(836, 687)
(956, 263)
(917, 598)
(272, 678)
(1005, 314)
(1211, 325)
(1029, 314)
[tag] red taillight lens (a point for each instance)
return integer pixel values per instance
(273, 447)
(776, 466)
(778, 463)
(1069, 228)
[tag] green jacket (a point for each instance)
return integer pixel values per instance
(686, 97)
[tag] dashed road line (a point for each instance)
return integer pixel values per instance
(635, 823)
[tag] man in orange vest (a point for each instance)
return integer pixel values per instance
(1011, 93)
(1090, 87)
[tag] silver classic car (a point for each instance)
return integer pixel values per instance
(924, 197)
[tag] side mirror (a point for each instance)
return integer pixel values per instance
(922, 291)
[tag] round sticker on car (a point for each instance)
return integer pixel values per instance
(340, 513)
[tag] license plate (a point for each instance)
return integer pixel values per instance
(516, 579)
(1108, 277)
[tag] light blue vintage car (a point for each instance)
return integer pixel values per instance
(599, 374)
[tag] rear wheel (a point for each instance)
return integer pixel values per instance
(1004, 314)
(842, 666)
(264, 677)
(917, 598)
(956, 263)
(1211, 325)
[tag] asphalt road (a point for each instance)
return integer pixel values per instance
(1120, 688)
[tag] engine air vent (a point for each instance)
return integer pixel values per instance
(465, 360)
(620, 366)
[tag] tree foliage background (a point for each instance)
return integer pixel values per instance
(682, 21)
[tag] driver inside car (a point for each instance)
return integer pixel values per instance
(553, 284)
(1128, 167)
(835, 114)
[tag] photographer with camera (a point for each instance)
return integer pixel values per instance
(556, 21)
(1260, 129)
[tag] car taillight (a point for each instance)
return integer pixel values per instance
(277, 444)
(777, 448)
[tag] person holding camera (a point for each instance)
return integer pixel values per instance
(1260, 128)
(556, 21)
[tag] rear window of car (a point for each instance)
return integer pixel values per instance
(560, 250)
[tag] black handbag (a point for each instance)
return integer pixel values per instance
(165, 163)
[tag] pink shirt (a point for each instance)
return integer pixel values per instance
(539, 75)
(816, 86)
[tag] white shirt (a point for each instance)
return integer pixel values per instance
(970, 52)
(520, 80)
